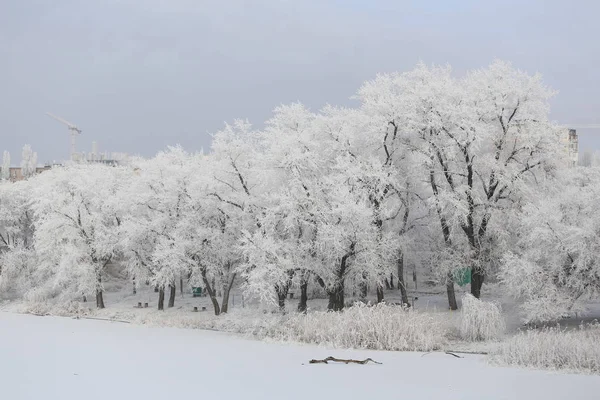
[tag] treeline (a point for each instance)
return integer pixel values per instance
(429, 169)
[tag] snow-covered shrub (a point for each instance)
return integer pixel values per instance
(60, 309)
(575, 350)
(480, 320)
(380, 327)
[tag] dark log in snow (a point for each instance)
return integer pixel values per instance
(349, 361)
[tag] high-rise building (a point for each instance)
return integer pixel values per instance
(573, 147)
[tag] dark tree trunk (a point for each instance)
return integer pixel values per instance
(379, 293)
(450, 290)
(99, 299)
(134, 286)
(401, 283)
(172, 292)
(282, 292)
(391, 281)
(303, 304)
(336, 293)
(336, 298)
(363, 289)
(281, 300)
(387, 284)
(161, 298)
(476, 282)
(211, 291)
(226, 291)
(181, 285)
(213, 297)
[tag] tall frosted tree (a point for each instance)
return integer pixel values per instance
(77, 231)
(5, 166)
(28, 161)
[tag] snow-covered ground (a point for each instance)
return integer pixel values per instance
(62, 358)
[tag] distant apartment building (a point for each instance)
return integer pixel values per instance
(16, 173)
(570, 143)
(573, 147)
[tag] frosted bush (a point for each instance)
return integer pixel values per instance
(575, 350)
(380, 327)
(480, 320)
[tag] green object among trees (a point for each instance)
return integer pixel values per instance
(462, 276)
(197, 291)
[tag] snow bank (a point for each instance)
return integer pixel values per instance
(575, 350)
(480, 320)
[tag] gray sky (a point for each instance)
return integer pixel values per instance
(137, 76)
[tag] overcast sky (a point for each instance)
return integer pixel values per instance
(137, 76)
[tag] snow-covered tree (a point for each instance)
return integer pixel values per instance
(555, 268)
(77, 222)
(28, 162)
(230, 195)
(5, 166)
(482, 139)
(16, 235)
(319, 220)
(155, 204)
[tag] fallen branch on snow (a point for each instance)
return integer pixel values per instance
(324, 361)
(485, 353)
(105, 319)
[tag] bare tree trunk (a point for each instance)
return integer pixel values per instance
(302, 305)
(363, 289)
(181, 285)
(282, 292)
(161, 298)
(476, 282)
(379, 293)
(226, 291)
(336, 298)
(211, 291)
(450, 290)
(281, 300)
(401, 283)
(99, 299)
(134, 286)
(391, 281)
(172, 292)
(336, 293)
(387, 284)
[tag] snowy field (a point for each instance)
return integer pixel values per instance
(63, 358)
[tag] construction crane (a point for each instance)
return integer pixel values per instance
(72, 128)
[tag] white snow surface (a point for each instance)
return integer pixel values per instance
(63, 358)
